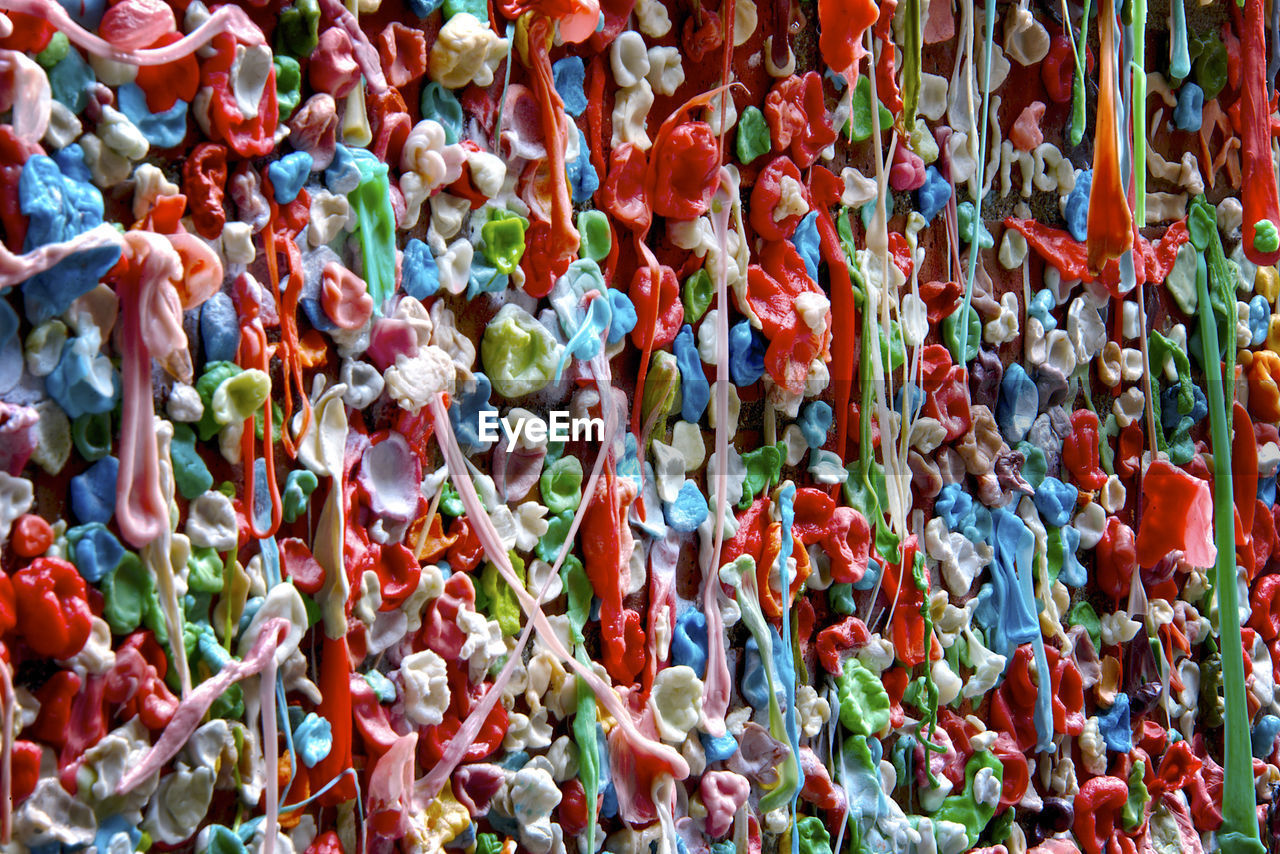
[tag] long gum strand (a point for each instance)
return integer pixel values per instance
(974, 249)
(225, 19)
(192, 709)
(718, 688)
(1077, 87)
(1110, 223)
(490, 540)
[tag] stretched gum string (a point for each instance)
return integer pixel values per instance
(1139, 84)
(16, 269)
(225, 19)
(716, 690)
(288, 345)
(462, 740)
(730, 12)
(192, 709)
(1238, 810)
(650, 321)
(786, 506)
(975, 248)
(1081, 45)
(1110, 224)
(267, 700)
(253, 350)
(142, 512)
(492, 543)
(883, 378)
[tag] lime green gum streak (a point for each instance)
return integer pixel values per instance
(1077, 94)
(1239, 834)
(975, 248)
(913, 40)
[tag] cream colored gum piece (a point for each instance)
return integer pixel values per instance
(745, 20)
(629, 59)
(653, 18)
(1162, 207)
(1026, 168)
(666, 70)
(1026, 41)
(107, 167)
(1108, 365)
(933, 96)
(631, 113)
(466, 51)
(1128, 407)
(1013, 249)
(774, 70)
(63, 127)
(236, 243)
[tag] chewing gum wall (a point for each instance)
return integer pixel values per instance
(667, 426)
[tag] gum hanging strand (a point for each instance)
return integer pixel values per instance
(786, 496)
(912, 47)
(728, 12)
(1258, 192)
(225, 19)
(1110, 223)
(492, 543)
(1077, 87)
(1239, 833)
(453, 753)
(883, 377)
(564, 236)
(193, 708)
(254, 353)
(974, 249)
(717, 689)
(270, 742)
(141, 509)
(288, 348)
(1139, 69)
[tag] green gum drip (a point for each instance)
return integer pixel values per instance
(913, 41)
(1239, 834)
(1077, 91)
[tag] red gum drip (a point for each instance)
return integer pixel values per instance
(1258, 191)
(458, 745)
(842, 23)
